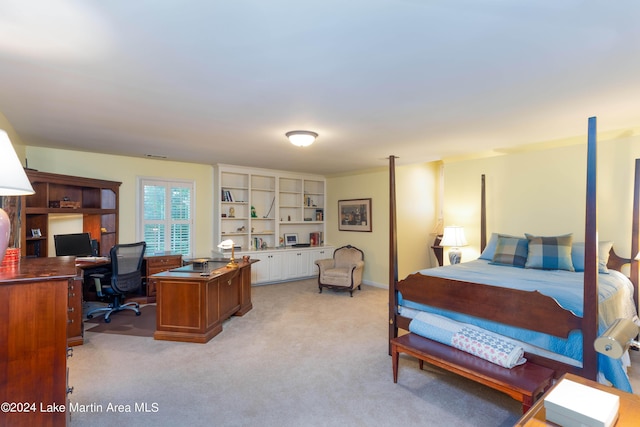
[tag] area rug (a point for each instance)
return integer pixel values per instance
(126, 323)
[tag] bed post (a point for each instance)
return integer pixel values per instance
(590, 300)
(483, 215)
(393, 253)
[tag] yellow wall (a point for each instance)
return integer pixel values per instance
(543, 192)
(127, 170)
(416, 216)
(415, 193)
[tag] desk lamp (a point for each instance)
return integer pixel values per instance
(453, 237)
(13, 182)
(618, 338)
(228, 244)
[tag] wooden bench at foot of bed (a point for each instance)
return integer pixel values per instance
(525, 383)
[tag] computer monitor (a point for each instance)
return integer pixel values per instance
(76, 244)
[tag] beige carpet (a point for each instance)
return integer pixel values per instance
(299, 358)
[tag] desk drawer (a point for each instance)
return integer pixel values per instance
(160, 264)
(157, 264)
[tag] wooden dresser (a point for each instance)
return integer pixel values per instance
(34, 316)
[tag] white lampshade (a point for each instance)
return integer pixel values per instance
(301, 138)
(454, 237)
(13, 182)
(226, 244)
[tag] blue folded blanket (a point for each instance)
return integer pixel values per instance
(487, 345)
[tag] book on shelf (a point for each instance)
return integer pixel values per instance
(227, 196)
(314, 238)
(319, 215)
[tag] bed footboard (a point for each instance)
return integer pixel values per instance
(523, 309)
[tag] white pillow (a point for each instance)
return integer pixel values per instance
(577, 256)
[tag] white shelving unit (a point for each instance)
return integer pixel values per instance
(256, 207)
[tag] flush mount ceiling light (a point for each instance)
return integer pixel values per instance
(301, 138)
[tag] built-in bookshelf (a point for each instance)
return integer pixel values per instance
(256, 207)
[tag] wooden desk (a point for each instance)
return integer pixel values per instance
(629, 413)
(191, 307)
(34, 314)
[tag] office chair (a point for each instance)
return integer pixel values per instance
(125, 277)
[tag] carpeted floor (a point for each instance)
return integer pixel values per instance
(299, 358)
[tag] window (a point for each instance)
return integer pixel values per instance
(167, 215)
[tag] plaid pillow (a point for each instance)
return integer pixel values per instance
(550, 253)
(510, 251)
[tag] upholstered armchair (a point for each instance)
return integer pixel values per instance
(343, 272)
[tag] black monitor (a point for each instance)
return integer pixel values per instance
(77, 244)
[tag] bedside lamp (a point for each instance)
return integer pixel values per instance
(13, 182)
(618, 338)
(453, 237)
(228, 244)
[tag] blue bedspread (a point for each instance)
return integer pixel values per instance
(615, 296)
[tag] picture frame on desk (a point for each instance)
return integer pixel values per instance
(290, 239)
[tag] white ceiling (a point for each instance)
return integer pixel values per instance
(212, 81)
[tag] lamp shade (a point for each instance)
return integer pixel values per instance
(301, 138)
(617, 339)
(13, 180)
(453, 237)
(226, 244)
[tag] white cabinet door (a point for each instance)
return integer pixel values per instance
(276, 270)
(297, 264)
(268, 269)
(260, 269)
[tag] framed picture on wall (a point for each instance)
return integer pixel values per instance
(354, 214)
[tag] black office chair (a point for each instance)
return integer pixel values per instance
(125, 277)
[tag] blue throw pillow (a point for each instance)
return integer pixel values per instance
(550, 253)
(510, 251)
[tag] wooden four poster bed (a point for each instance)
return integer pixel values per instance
(528, 309)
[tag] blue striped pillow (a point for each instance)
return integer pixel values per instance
(510, 251)
(550, 253)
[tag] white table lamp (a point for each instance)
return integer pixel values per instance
(13, 182)
(228, 244)
(618, 338)
(453, 237)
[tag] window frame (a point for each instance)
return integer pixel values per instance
(167, 183)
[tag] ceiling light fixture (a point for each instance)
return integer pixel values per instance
(301, 138)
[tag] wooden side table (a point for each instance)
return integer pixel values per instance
(628, 415)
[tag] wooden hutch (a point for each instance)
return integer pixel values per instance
(96, 200)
